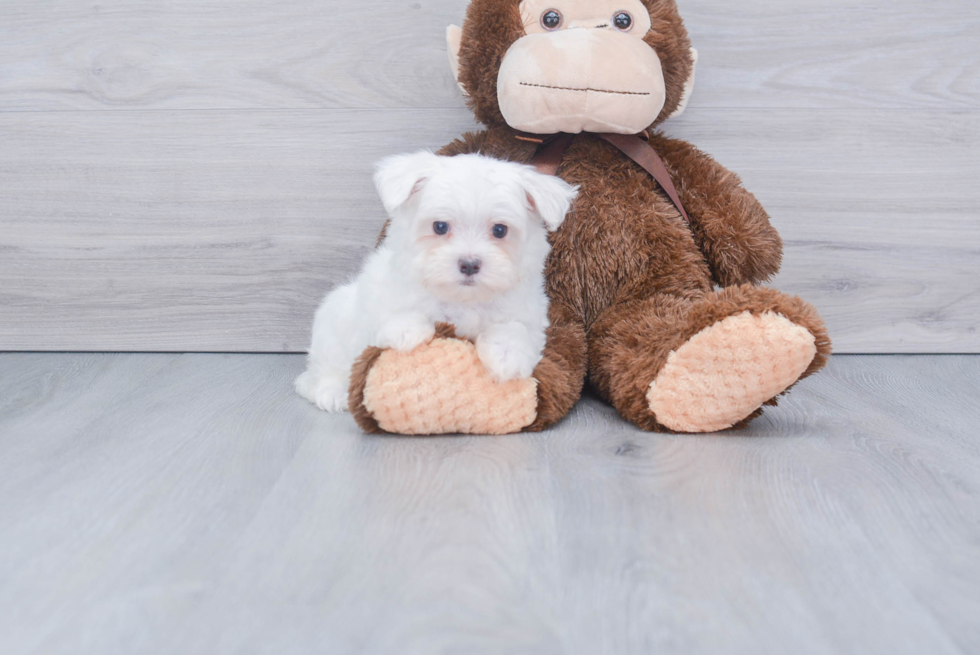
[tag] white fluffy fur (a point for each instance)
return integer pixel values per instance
(413, 280)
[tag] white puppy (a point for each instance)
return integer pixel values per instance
(466, 245)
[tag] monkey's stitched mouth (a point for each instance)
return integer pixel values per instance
(572, 88)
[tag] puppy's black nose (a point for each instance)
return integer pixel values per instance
(469, 266)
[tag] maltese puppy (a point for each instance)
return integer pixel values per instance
(466, 245)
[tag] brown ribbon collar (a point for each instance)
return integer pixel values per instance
(552, 150)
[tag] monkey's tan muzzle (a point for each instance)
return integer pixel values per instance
(563, 82)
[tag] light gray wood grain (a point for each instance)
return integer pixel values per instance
(220, 231)
(194, 504)
(188, 230)
(240, 54)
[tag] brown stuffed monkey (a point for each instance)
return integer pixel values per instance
(661, 315)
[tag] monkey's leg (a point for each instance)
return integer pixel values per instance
(706, 364)
(442, 388)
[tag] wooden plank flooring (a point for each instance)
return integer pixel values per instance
(194, 175)
(194, 504)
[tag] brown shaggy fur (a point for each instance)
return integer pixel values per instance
(629, 280)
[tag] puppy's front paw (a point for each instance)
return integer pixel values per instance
(507, 353)
(327, 393)
(405, 333)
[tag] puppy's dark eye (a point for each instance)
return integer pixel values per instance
(551, 19)
(499, 231)
(440, 227)
(623, 21)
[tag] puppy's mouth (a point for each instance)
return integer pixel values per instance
(468, 282)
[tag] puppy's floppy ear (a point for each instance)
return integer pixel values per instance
(399, 177)
(548, 196)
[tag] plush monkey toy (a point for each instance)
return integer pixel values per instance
(656, 307)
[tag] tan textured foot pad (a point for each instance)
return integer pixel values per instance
(443, 388)
(727, 371)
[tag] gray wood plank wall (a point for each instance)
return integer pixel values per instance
(194, 175)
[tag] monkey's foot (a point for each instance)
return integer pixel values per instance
(728, 370)
(438, 388)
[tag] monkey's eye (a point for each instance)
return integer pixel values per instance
(623, 21)
(440, 227)
(499, 231)
(551, 19)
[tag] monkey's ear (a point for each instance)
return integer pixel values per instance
(548, 196)
(454, 39)
(688, 86)
(400, 177)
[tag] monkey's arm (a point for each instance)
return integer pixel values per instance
(731, 227)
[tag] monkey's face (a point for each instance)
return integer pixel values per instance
(582, 66)
(548, 66)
